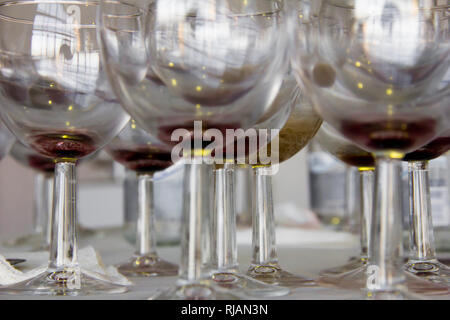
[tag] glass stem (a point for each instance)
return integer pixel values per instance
(385, 264)
(196, 231)
(63, 247)
(367, 185)
(224, 220)
(422, 237)
(264, 250)
(146, 237)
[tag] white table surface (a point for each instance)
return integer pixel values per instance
(302, 252)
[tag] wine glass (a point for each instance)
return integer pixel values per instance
(374, 70)
(56, 99)
(353, 274)
(44, 167)
(224, 249)
(301, 126)
(183, 69)
(140, 152)
(423, 262)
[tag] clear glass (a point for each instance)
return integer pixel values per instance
(423, 262)
(200, 74)
(358, 60)
(196, 281)
(194, 65)
(299, 129)
(56, 99)
(140, 152)
(224, 218)
(353, 274)
(225, 265)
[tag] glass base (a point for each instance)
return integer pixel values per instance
(357, 279)
(63, 283)
(148, 266)
(248, 286)
(274, 275)
(431, 270)
(353, 264)
(204, 290)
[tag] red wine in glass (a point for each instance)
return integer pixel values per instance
(142, 158)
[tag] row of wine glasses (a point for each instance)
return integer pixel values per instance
(208, 61)
(376, 73)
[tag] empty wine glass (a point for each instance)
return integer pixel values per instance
(140, 152)
(200, 67)
(44, 167)
(374, 70)
(423, 262)
(56, 99)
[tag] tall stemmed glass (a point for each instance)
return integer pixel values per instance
(56, 99)
(200, 67)
(224, 247)
(423, 262)
(346, 151)
(44, 168)
(300, 128)
(353, 274)
(373, 70)
(142, 153)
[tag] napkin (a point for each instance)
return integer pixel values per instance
(88, 259)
